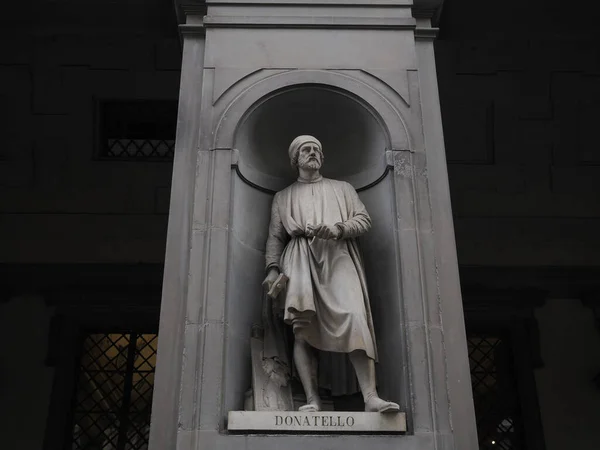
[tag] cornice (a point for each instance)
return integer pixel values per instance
(101, 296)
(423, 13)
(428, 9)
(60, 284)
(191, 29)
(309, 22)
(426, 34)
(328, 3)
(559, 282)
(190, 8)
(421, 9)
(502, 302)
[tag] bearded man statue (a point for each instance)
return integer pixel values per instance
(312, 240)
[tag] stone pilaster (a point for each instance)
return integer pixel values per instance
(247, 64)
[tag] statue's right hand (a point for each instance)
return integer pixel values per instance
(309, 232)
(270, 279)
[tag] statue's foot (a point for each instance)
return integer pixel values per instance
(314, 405)
(376, 404)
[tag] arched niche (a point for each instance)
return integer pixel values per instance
(353, 136)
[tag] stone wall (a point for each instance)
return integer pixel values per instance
(59, 204)
(520, 96)
(519, 100)
(25, 382)
(569, 399)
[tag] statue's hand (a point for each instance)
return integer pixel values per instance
(310, 230)
(327, 231)
(270, 279)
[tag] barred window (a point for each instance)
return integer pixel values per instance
(137, 129)
(495, 394)
(113, 392)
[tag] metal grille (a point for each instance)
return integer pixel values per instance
(141, 148)
(114, 392)
(494, 393)
(137, 129)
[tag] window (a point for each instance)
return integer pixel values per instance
(113, 391)
(136, 130)
(503, 347)
(495, 393)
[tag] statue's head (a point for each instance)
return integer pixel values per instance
(306, 152)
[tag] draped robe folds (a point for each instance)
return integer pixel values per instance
(326, 297)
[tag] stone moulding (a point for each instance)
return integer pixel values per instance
(261, 90)
(369, 23)
(256, 87)
(192, 29)
(371, 3)
(422, 33)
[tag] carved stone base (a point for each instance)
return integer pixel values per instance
(267, 395)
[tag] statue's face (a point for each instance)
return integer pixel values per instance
(309, 157)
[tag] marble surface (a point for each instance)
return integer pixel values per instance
(217, 224)
(324, 421)
(313, 231)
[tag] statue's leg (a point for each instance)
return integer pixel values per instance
(365, 373)
(306, 365)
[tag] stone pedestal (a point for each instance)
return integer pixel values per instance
(360, 75)
(322, 422)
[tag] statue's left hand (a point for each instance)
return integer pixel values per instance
(270, 279)
(323, 231)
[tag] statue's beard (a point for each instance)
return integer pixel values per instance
(309, 164)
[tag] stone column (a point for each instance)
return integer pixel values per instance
(254, 72)
(449, 299)
(173, 316)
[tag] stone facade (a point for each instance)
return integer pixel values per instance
(242, 63)
(59, 204)
(519, 101)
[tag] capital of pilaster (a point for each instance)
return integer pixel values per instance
(421, 9)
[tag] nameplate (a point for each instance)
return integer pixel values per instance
(326, 421)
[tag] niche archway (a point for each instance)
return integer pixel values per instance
(354, 138)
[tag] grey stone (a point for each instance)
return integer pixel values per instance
(326, 298)
(267, 395)
(277, 68)
(330, 422)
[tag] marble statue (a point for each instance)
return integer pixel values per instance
(312, 241)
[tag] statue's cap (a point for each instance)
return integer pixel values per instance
(300, 141)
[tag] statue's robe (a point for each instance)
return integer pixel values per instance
(326, 299)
